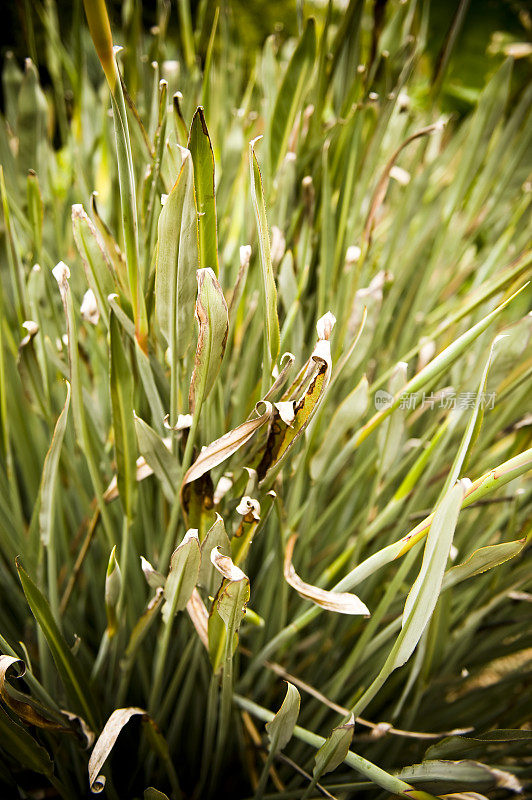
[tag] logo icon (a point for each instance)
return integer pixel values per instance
(383, 399)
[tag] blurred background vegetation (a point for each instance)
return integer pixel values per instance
(490, 31)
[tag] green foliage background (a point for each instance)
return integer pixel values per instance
(145, 579)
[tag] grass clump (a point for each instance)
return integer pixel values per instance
(265, 379)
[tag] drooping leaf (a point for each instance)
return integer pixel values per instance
(224, 447)
(25, 707)
(68, 666)
(341, 602)
(105, 743)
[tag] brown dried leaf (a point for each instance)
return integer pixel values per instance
(220, 450)
(341, 602)
(199, 616)
(106, 741)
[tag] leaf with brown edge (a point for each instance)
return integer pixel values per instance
(25, 707)
(224, 447)
(333, 752)
(341, 602)
(209, 577)
(199, 144)
(289, 423)
(199, 617)
(213, 321)
(229, 607)
(250, 510)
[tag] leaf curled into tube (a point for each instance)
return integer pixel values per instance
(341, 602)
(213, 321)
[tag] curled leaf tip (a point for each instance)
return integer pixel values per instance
(325, 325)
(61, 273)
(248, 505)
(341, 602)
(225, 566)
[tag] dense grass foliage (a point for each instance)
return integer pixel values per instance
(265, 333)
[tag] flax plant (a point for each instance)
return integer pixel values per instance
(265, 380)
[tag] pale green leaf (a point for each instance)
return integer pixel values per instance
(213, 322)
(281, 727)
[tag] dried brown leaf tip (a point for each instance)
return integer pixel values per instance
(106, 742)
(225, 566)
(341, 602)
(293, 413)
(249, 508)
(224, 447)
